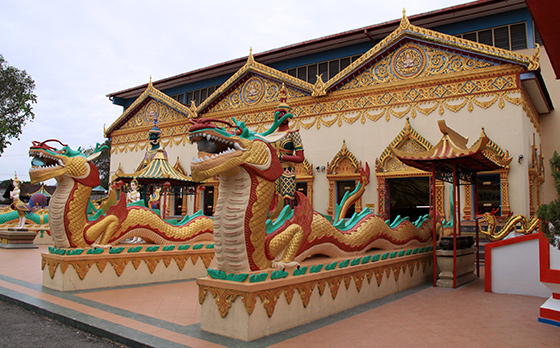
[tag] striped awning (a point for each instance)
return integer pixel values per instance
(452, 148)
(157, 171)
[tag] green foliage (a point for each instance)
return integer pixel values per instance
(102, 162)
(16, 97)
(550, 213)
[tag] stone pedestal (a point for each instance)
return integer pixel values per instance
(82, 269)
(17, 238)
(465, 267)
(252, 308)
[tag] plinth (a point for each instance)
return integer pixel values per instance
(465, 267)
(17, 238)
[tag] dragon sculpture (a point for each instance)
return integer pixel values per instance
(527, 226)
(70, 224)
(244, 240)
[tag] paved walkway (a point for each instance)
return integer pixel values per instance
(168, 315)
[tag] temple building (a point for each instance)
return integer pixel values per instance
(360, 95)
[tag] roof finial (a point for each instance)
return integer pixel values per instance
(534, 60)
(250, 59)
(404, 21)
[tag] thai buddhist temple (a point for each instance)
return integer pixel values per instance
(360, 97)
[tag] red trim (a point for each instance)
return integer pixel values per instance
(488, 255)
(547, 275)
(550, 314)
(556, 296)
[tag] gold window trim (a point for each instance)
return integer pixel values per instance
(343, 167)
(388, 166)
(304, 173)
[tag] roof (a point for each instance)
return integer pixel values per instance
(157, 171)
(377, 32)
(453, 148)
(545, 14)
(150, 93)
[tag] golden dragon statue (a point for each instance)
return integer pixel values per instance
(245, 239)
(70, 224)
(527, 226)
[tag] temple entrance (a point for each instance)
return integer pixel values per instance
(341, 188)
(489, 194)
(409, 197)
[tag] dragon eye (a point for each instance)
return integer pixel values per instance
(63, 151)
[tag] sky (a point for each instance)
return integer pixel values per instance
(79, 51)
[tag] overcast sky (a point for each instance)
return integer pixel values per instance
(79, 51)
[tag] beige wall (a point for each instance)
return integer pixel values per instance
(550, 126)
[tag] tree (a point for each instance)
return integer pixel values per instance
(550, 213)
(16, 97)
(102, 162)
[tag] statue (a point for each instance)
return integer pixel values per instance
(133, 194)
(36, 201)
(154, 136)
(289, 148)
(244, 241)
(70, 226)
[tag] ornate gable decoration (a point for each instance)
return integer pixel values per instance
(142, 112)
(408, 140)
(493, 152)
(344, 162)
(253, 84)
(304, 169)
(418, 52)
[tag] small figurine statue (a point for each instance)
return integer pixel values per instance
(133, 195)
(36, 201)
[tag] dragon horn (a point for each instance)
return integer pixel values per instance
(277, 122)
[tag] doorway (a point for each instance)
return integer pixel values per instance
(409, 197)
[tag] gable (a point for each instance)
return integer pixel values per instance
(145, 115)
(253, 85)
(255, 90)
(415, 60)
(412, 52)
(142, 112)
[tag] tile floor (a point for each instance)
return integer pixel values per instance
(168, 315)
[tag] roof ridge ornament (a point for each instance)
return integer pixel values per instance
(319, 88)
(535, 58)
(405, 23)
(250, 58)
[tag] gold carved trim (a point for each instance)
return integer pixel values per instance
(160, 98)
(407, 140)
(82, 266)
(224, 297)
(344, 166)
(304, 173)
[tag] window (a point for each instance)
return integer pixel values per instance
(178, 97)
(509, 37)
(199, 95)
(489, 194)
(327, 69)
(343, 187)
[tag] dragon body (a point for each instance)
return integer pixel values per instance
(247, 168)
(527, 226)
(70, 225)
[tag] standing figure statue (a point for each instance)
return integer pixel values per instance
(133, 194)
(154, 139)
(289, 147)
(36, 201)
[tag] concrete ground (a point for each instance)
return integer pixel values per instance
(168, 315)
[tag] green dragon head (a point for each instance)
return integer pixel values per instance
(222, 152)
(50, 162)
